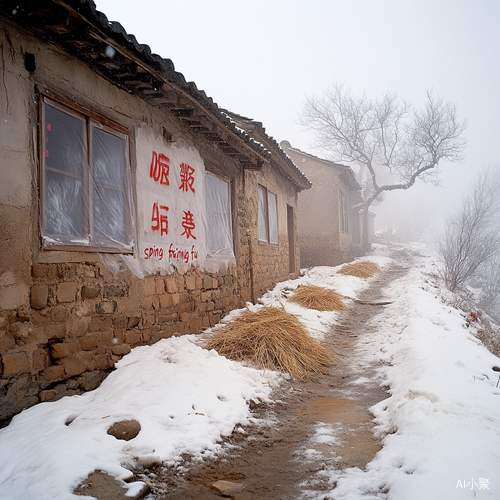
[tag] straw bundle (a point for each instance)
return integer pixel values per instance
(271, 338)
(362, 269)
(319, 298)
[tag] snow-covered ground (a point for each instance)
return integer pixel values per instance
(440, 426)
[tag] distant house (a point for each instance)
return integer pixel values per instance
(329, 222)
(131, 207)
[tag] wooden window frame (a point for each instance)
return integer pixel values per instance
(229, 215)
(266, 214)
(91, 121)
(344, 215)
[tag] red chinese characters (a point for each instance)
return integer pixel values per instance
(187, 178)
(160, 168)
(188, 225)
(159, 221)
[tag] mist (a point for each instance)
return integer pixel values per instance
(262, 59)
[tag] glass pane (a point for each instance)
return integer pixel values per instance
(273, 217)
(64, 206)
(109, 158)
(218, 210)
(263, 229)
(109, 215)
(64, 142)
(110, 203)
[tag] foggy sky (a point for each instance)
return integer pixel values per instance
(261, 58)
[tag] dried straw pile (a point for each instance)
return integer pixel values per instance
(319, 298)
(362, 269)
(273, 339)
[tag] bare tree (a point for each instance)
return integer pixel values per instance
(394, 143)
(471, 238)
(488, 279)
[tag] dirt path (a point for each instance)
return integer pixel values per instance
(312, 426)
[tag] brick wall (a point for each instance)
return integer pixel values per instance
(83, 319)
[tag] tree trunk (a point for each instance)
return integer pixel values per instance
(366, 244)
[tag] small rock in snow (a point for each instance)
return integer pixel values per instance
(125, 429)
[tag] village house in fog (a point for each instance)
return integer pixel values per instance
(132, 208)
(329, 223)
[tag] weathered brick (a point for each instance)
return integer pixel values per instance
(90, 380)
(56, 331)
(114, 291)
(165, 301)
(74, 366)
(103, 307)
(54, 373)
(60, 350)
(190, 282)
(132, 337)
(47, 395)
(120, 349)
(206, 296)
(167, 318)
(95, 340)
(120, 322)
(7, 342)
(176, 298)
(160, 286)
(66, 292)
(185, 317)
(58, 314)
(207, 282)
(133, 321)
(102, 362)
(15, 363)
(39, 270)
(41, 359)
(149, 286)
(39, 296)
(171, 283)
(77, 326)
(100, 324)
(90, 292)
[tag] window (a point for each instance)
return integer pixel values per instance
(344, 216)
(85, 181)
(268, 216)
(218, 217)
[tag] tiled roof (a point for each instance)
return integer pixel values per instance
(81, 30)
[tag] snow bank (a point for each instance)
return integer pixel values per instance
(184, 397)
(442, 421)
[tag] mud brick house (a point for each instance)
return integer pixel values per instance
(329, 223)
(130, 204)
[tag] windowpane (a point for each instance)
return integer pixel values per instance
(273, 217)
(263, 227)
(109, 159)
(64, 142)
(109, 203)
(218, 210)
(64, 154)
(64, 202)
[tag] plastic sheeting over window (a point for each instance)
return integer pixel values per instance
(272, 200)
(268, 216)
(219, 235)
(85, 196)
(263, 226)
